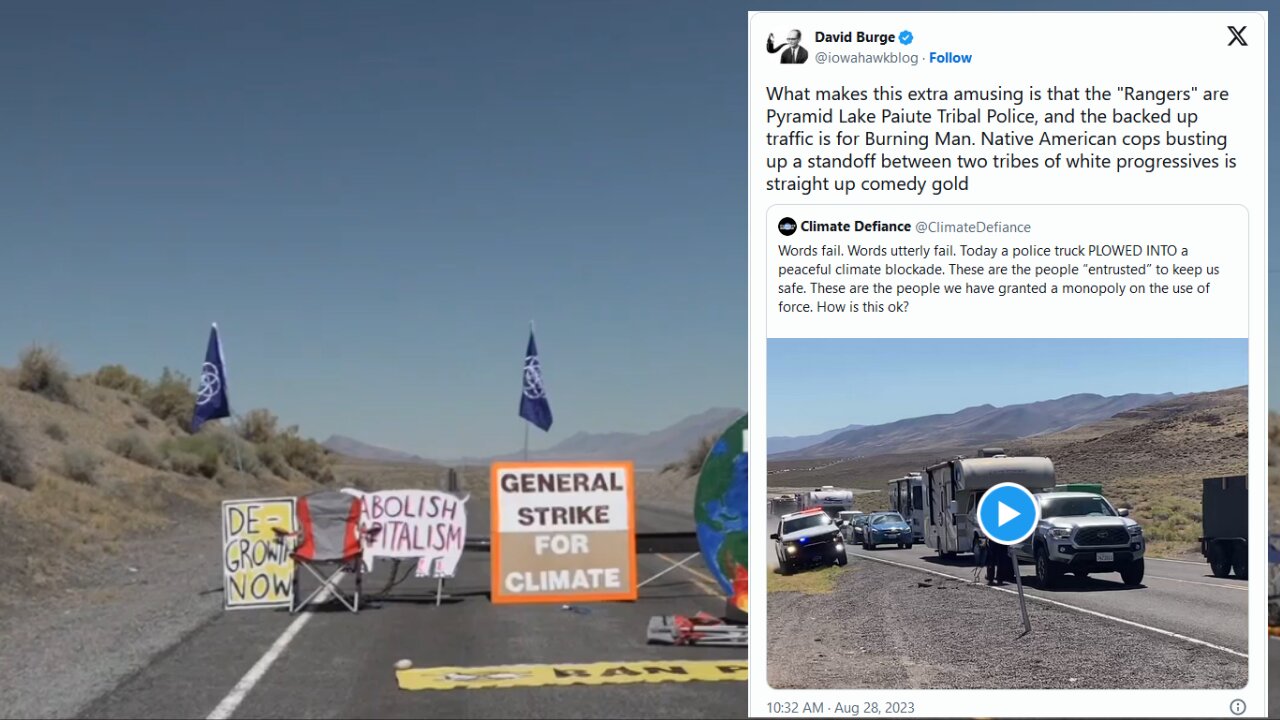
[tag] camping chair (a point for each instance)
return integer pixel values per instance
(330, 537)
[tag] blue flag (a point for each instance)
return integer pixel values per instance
(211, 396)
(533, 399)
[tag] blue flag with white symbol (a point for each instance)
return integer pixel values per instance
(533, 398)
(211, 395)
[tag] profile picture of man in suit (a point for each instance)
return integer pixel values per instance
(792, 53)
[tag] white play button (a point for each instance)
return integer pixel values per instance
(1004, 514)
(1008, 513)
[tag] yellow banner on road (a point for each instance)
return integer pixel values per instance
(601, 673)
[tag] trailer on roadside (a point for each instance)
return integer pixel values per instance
(829, 498)
(1224, 507)
(953, 487)
(906, 497)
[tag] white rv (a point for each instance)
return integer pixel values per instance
(828, 498)
(952, 490)
(906, 497)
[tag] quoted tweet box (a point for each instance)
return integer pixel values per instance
(988, 270)
(563, 532)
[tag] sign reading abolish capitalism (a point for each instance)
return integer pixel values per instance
(430, 525)
(563, 532)
(257, 570)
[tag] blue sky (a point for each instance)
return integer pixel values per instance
(373, 209)
(819, 385)
(373, 205)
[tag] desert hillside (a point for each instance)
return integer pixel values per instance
(90, 464)
(1273, 472)
(972, 426)
(672, 486)
(1153, 459)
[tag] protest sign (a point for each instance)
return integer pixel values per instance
(257, 569)
(429, 525)
(563, 532)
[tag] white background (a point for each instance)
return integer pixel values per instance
(1158, 51)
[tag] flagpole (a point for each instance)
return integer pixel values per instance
(526, 422)
(235, 439)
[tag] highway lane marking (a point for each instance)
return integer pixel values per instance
(1197, 582)
(228, 706)
(600, 673)
(691, 571)
(1184, 562)
(1086, 611)
(699, 579)
(667, 570)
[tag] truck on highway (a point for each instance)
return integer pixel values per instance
(906, 497)
(1224, 507)
(783, 504)
(808, 538)
(953, 487)
(829, 498)
(1082, 533)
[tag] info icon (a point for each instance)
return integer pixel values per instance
(787, 226)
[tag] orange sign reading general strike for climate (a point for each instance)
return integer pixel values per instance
(563, 531)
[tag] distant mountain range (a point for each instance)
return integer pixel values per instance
(647, 450)
(351, 447)
(970, 427)
(785, 443)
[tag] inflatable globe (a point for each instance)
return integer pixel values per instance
(720, 510)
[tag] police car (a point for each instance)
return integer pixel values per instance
(807, 538)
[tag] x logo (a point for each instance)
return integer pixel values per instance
(1237, 35)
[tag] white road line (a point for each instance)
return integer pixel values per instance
(1197, 582)
(1184, 562)
(238, 693)
(667, 570)
(708, 584)
(1077, 608)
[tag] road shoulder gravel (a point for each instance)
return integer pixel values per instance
(63, 650)
(890, 627)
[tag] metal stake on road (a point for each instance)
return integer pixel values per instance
(1008, 514)
(1022, 599)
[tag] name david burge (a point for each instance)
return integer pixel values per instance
(850, 36)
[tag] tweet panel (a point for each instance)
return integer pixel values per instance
(1007, 330)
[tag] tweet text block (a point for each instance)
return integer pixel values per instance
(1047, 271)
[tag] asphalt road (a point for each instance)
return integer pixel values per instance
(341, 664)
(1178, 596)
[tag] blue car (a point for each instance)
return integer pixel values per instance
(887, 528)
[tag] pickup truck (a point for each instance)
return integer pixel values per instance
(1082, 533)
(807, 538)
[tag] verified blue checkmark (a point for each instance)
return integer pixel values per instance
(905, 37)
